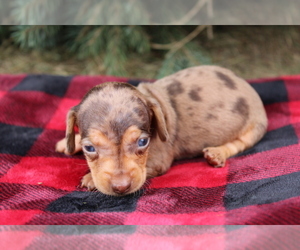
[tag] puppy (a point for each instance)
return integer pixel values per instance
(129, 134)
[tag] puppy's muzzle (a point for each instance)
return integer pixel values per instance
(121, 184)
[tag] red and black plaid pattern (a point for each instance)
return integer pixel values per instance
(40, 186)
(165, 237)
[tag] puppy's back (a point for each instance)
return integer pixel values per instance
(213, 106)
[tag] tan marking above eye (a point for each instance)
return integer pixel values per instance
(132, 134)
(97, 138)
(131, 137)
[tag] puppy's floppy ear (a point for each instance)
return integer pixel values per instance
(158, 119)
(70, 130)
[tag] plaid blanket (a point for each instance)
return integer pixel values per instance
(167, 237)
(40, 186)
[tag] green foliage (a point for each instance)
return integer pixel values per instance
(165, 34)
(110, 12)
(189, 56)
(107, 46)
(166, 13)
(4, 10)
(116, 12)
(192, 54)
(33, 12)
(36, 37)
(111, 46)
(112, 43)
(4, 33)
(137, 39)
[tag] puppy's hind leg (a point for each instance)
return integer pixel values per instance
(216, 156)
(61, 146)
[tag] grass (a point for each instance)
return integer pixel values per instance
(250, 51)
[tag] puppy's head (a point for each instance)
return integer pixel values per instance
(116, 123)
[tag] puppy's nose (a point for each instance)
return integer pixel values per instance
(121, 188)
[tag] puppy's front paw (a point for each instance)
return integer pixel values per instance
(214, 157)
(61, 146)
(87, 181)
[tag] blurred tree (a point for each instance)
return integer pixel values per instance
(109, 46)
(181, 51)
(36, 36)
(4, 33)
(112, 44)
(31, 12)
(109, 12)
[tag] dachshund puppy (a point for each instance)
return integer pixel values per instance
(129, 134)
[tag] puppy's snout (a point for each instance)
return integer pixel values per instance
(121, 189)
(121, 184)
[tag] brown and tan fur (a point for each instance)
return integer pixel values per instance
(201, 110)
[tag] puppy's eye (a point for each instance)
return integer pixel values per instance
(90, 149)
(143, 142)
